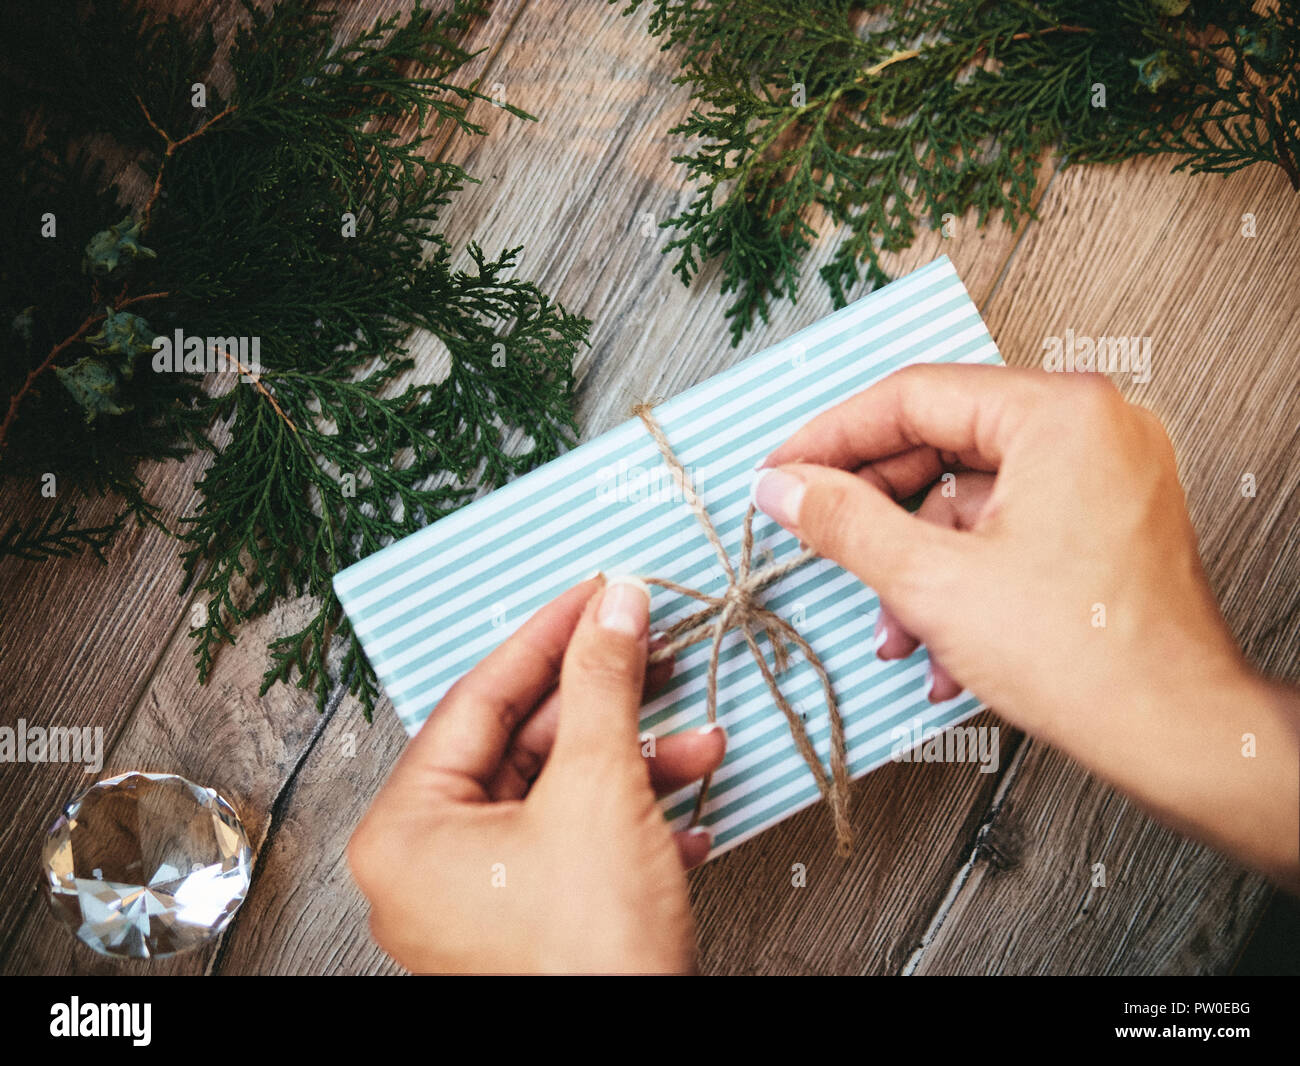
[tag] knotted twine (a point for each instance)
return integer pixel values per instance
(738, 608)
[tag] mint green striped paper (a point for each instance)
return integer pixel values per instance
(429, 607)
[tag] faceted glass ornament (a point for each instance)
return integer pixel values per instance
(146, 865)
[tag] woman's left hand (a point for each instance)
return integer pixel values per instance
(519, 831)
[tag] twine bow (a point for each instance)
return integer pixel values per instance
(738, 608)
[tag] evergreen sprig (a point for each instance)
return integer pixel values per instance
(296, 211)
(57, 536)
(881, 116)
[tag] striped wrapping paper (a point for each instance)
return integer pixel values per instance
(429, 607)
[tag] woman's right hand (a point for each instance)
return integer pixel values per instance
(1052, 571)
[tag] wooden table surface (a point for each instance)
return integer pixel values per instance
(956, 871)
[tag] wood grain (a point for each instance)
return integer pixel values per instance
(573, 189)
(129, 664)
(958, 871)
(1136, 252)
(79, 643)
(79, 640)
(1029, 905)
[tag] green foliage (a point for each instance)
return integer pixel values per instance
(292, 211)
(57, 535)
(880, 116)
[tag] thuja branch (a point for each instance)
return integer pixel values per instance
(256, 380)
(871, 73)
(912, 53)
(945, 106)
(170, 149)
(299, 219)
(57, 536)
(1288, 152)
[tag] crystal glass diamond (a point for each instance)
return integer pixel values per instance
(146, 865)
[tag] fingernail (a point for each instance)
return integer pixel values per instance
(779, 495)
(700, 831)
(625, 606)
(713, 727)
(929, 681)
(882, 636)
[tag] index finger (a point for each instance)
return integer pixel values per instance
(970, 410)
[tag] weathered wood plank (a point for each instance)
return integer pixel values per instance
(1029, 907)
(573, 189)
(305, 913)
(1138, 252)
(79, 641)
(132, 662)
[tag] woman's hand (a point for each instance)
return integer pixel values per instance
(519, 831)
(1056, 576)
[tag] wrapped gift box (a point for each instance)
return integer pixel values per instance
(429, 607)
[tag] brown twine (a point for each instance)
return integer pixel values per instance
(738, 608)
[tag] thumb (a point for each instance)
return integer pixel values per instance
(850, 521)
(603, 674)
